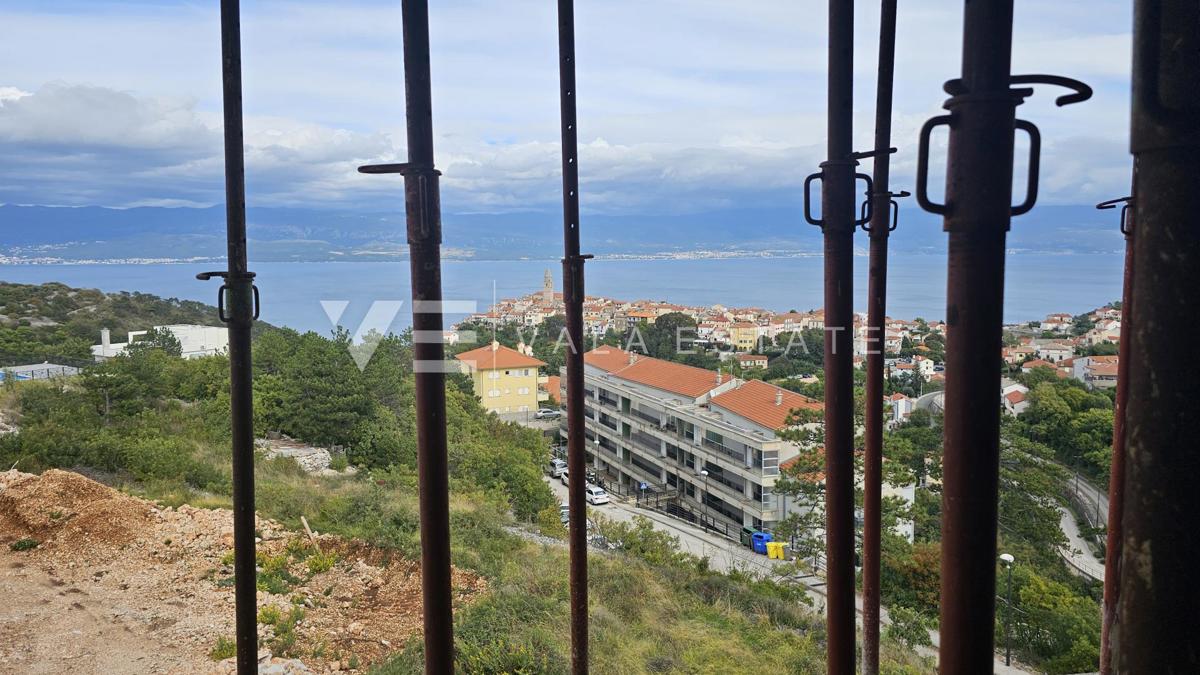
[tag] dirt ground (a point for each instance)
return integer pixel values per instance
(119, 585)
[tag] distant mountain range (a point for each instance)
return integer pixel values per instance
(74, 234)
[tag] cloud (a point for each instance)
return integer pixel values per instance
(694, 103)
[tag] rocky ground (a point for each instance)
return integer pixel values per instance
(96, 581)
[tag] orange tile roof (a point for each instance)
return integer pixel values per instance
(1103, 369)
(485, 358)
(554, 387)
(607, 358)
(665, 375)
(812, 476)
(756, 401)
(1015, 396)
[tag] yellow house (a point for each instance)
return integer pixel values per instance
(743, 335)
(505, 379)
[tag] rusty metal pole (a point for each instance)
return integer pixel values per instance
(879, 229)
(1116, 483)
(1159, 601)
(239, 295)
(837, 209)
(423, 210)
(573, 294)
(977, 212)
(978, 199)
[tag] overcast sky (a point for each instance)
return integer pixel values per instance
(683, 104)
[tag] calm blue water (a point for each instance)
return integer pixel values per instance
(1036, 285)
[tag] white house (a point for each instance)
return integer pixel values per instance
(1055, 351)
(195, 341)
(902, 407)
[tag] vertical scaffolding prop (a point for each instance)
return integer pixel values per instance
(883, 220)
(423, 210)
(237, 308)
(573, 300)
(1159, 600)
(838, 222)
(977, 212)
(1116, 484)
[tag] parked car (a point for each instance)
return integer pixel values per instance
(596, 495)
(557, 468)
(546, 414)
(564, 513)
(566, 480)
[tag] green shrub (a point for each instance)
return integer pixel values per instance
(321, 562)
(269, 615)
(25, 544)
(224, 649)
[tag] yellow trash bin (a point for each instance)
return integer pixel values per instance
(773, 551)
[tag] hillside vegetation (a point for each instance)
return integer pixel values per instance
(54, 322)
(158, 427)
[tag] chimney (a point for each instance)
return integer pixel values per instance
(495, 345)
(632, 358)
(521, 347)
(779, 397)
(105, 341)
(718, 376)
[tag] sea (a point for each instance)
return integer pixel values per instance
(316, 296)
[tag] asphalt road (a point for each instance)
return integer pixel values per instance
(725, 556)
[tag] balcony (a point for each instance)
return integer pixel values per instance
(647, 441)
(738, 455)
(652, 419)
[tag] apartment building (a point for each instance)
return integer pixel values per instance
(505, 380)
(743, 335)
(662, 424)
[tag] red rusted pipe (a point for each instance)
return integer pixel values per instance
(1116, 482)
(573, 294)
(978, 207)
(880, 228)
(1155, 628)
(837, 207)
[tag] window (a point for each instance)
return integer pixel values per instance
(494, 393)
(493, 374)
(523, 390)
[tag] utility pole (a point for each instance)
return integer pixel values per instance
(1155, 629)
(573, 294)
(882, 222)
(422, 207)
(1007, 560)
(240, 297)
(977, 212)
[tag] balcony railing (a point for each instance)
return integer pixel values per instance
(647, 441)
(740, 456)
(652, 419)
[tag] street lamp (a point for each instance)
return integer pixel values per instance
(1006, 559)
(704, 497)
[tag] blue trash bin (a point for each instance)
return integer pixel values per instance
(759, 541)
